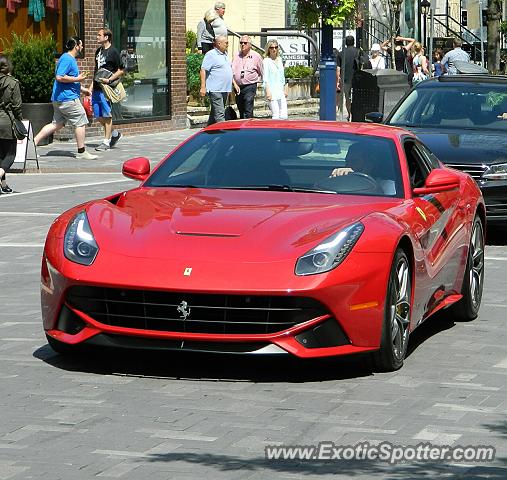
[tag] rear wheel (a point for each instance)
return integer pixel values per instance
(396, 326)
(468, 307)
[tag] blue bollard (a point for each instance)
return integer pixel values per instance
(327, 107)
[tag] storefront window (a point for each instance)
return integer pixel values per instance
(72, 19)
(140, 28)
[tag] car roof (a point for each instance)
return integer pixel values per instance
(358, 128)
(462, 79)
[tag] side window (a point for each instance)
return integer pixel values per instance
(429, 156)
(417, 166)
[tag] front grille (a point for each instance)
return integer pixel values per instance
(475, 170)
(207, 313)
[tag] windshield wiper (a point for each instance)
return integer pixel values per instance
(180, 186)
(278, 188)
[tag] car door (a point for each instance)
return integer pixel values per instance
(438, 223)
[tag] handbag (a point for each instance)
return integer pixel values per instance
(87, 105)
(18, 127)
(114, 94)
(230, 113)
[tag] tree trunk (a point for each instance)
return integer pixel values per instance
(494, 17)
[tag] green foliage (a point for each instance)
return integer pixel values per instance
(191, 41)
(503, 27)
(309, 12)
(194, 61)
(33, 61)
(298, 71)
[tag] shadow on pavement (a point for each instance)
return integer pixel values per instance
(344, 468)
(210, 367)
(56, 153)
(432, 326)
(214, 367)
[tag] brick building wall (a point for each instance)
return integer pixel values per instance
(93, 20)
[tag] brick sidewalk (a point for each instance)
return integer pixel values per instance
(60, 156)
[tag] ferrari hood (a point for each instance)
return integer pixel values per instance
(170, 223)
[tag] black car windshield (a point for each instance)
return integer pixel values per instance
(295, 160)
(469, 106)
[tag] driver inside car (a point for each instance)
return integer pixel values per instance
(359, 159)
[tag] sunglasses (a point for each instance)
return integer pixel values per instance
(244, 43)
(275, 47)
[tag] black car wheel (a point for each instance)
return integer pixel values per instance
(396, 326)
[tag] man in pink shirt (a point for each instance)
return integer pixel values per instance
(247, 71)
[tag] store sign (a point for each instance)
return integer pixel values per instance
(295, 50)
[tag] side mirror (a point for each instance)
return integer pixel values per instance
(374, 117)
(439, 180)
(136, 168)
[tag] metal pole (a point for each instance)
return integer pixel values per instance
(482, 32)
(430, 49)
(425, 38)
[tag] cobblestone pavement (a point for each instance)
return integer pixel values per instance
(60, 156)
(165, 416)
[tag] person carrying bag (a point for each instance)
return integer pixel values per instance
(10, 120)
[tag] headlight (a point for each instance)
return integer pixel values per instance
(79, 244)
(331, 252)
(496, 172)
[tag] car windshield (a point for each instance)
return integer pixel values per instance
(286, 160)
(471, 106)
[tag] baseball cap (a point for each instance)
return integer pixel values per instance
(375, 47)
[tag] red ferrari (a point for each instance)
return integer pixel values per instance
(306, 238)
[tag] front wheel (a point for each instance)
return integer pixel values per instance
(396, 326)
(468, 307)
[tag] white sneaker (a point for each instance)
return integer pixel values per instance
(86, 156)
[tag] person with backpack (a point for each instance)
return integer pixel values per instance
(205, 32)
(210, 27)
(351, 60)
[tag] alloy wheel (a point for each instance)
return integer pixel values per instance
(400, 309)
(476, 273)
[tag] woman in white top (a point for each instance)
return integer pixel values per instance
(377, 60)
(274, 81)
(419, 63)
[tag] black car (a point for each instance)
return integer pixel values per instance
(463, 120)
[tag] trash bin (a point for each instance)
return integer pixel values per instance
(376, 91)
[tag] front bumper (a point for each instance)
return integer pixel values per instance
(345, 316)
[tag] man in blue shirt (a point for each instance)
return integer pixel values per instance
(455, 54)
(216, 79)
(66, 102)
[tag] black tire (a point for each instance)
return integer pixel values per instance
(63, 348)
(396, 326)
(473, 280)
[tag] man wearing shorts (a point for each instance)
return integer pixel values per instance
(106, 57)
(66, 103)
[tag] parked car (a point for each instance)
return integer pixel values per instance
(463, 120)
(288, 237)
